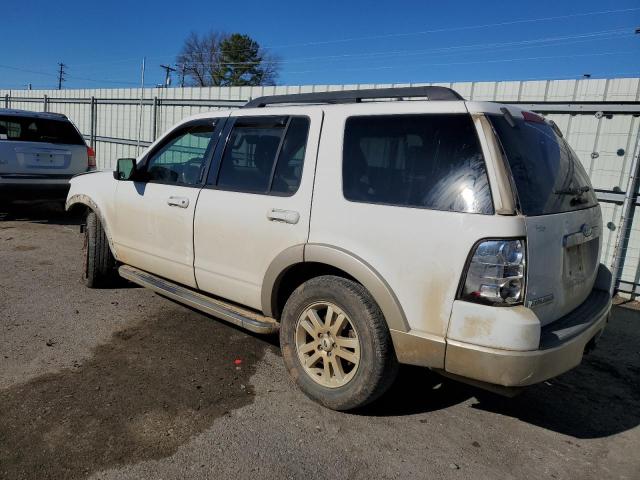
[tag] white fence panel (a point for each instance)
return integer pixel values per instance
(604, 144)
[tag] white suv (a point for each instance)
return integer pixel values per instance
(460, 236)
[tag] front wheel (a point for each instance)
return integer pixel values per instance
(99, 268)
(336, 344)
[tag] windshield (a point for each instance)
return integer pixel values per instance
(547, 174)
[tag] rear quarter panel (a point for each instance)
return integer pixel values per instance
(420, 253)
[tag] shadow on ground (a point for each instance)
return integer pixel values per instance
(45, 212)
(140, 396)
(597, 399)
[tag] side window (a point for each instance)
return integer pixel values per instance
(264, 155)
(9, 129)
(428, 161)
(182, 159)
(288, 172)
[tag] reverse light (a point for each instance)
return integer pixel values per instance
(91, 156)
(496, 273)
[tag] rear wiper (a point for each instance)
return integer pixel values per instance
(573, 191)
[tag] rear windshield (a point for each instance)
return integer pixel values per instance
(26, 129)
(424, 161)
(547, 174)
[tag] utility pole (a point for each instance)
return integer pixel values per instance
(61, 73)
(183, 69)
(144, 66)
(167, 74)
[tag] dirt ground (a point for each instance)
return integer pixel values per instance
(122, 383)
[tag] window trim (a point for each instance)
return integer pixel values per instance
(418, 207)
(218, 126)
(213, 175)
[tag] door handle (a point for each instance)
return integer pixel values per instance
(284, 216)
(182, 202)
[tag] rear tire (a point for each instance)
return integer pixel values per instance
(336, 344)
(99, 264)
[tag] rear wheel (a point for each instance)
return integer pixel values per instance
(99, 268)
(336, 344)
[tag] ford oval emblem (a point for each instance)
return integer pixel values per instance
(586, 230)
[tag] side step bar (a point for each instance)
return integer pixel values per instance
(239, 316)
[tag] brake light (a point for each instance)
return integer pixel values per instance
(496, 273)
(91, 156)
(532, 117)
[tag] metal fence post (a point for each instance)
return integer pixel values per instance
(154, 119)
(626, 220)
(46, 103)
(6, 100)
(93, 119)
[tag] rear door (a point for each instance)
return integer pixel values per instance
(257, 201)
(562, 215)
(40, 147)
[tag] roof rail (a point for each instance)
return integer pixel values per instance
(356, 96)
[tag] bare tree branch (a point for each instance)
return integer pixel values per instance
(220, 59)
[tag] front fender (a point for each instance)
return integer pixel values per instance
(96, 192)
(82, 199)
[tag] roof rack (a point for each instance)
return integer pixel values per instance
(356, 96)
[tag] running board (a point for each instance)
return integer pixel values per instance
(239, 316)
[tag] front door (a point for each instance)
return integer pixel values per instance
(154, 214)
(257, 201)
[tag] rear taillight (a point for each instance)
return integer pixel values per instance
(91, 155)
(496, 273)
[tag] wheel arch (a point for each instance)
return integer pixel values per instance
(81, 201)
(302, 262)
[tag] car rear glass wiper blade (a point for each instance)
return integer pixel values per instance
(573, 191)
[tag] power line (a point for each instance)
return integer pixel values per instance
(445, 50)
(455, 29)
(405, 34)
(552, 41)
(474, 62)
(533, 43)
(26, 70)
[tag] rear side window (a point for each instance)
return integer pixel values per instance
(547, 174)
(264, 155)
(427, 161)
(25, 129)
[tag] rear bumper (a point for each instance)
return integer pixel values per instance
(34, 187)
(562, 345)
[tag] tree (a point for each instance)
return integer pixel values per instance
(222, 60)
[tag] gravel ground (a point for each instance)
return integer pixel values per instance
(122, 383)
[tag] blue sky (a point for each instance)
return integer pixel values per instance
(324, 42)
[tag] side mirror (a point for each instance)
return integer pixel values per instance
(125, 168)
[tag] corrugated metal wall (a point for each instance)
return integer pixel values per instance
(595, 140)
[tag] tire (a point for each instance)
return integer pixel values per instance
(99, 264)
(370, 366)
